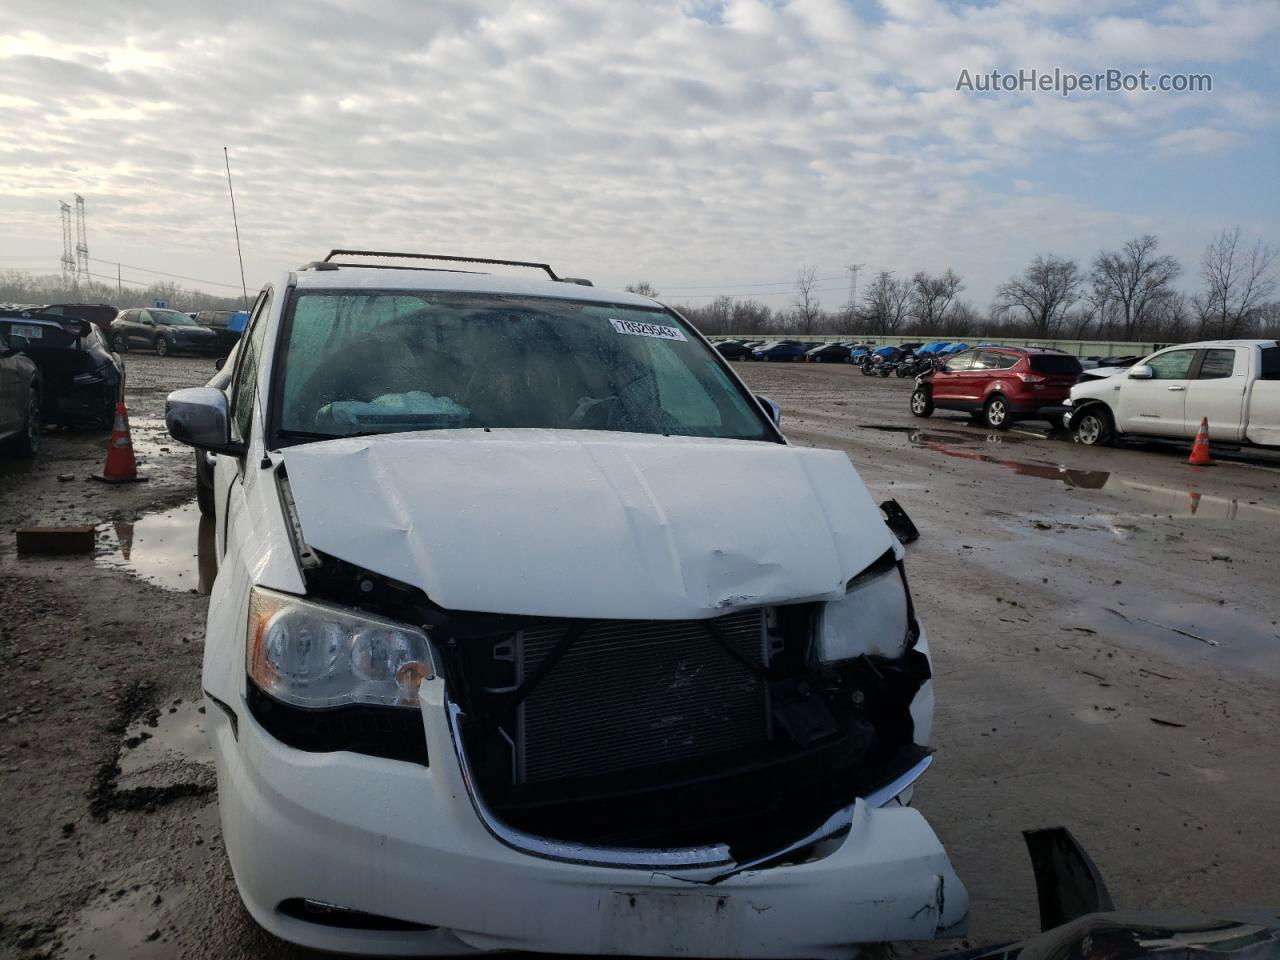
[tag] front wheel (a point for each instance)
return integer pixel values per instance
(921, 402)
(884, 372)
(121, 343)
(1093, 428)
(162, 347)
(995, 413)
(27, 443)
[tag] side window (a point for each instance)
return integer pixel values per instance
(988, 360)
(961, 362)
(144, 316)
(1270, 363)
(1174, 365)
(1008, 360)
(246, 382)
(1217, 364)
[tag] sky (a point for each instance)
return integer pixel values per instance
(703, 146)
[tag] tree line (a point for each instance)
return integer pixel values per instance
(20, 287)
(1127, 294)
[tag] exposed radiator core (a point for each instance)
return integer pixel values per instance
(633, 694)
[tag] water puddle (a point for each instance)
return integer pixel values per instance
(1191, 631)
(161, 747)
(172, 549)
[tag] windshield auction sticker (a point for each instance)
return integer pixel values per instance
(648, 330)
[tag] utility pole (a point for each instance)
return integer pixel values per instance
(68, 257)
(82, 243)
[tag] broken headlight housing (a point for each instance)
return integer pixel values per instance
(874, 617)
(316, 655)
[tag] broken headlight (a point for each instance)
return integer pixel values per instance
(873, 618)
(311, 654)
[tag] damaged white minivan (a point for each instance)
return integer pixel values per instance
(532, 632)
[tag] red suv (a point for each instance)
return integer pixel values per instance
(998, 385)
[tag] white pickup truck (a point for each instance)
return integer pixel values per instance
(1235, 383)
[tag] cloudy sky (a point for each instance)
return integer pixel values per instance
(704, 146)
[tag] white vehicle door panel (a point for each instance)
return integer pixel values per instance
(1156, 406)
(1220, 398)
(1264, 413)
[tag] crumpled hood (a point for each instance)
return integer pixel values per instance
(589, 524)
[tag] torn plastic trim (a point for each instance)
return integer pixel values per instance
(658, 859)
(305, 556)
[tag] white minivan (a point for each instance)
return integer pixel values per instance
(532, 632)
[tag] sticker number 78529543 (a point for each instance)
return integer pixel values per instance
(656, 330)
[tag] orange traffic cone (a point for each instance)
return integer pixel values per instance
(1200, 449)
(120, 466)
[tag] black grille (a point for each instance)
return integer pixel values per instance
(635, 694)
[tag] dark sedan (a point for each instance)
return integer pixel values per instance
(165, 331)
(829, 353)
(82, 379)
(227, 325)
(780, 350)
(734, 350)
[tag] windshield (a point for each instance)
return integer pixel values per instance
(172, 318)
(357, 363)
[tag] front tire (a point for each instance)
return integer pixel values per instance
(1093, 428)
(121, 343)
(162, 347)
(27, 443)
(921, 402)
(995, 413)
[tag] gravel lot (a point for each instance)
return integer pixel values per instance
(1069, 594)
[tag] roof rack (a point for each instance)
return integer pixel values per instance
(328, 263)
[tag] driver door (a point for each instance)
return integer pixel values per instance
(1156, 406)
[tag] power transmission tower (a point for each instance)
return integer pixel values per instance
(853, 269)
(68, 257)
(82, 243)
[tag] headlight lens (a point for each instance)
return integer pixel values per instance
(873, 617)
(314, 655)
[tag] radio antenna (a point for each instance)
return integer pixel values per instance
(244, 290)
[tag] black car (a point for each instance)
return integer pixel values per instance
(220, 322)
(829, 353)
(734, 350)
(19, 396)
(165, 331)
(82, 380)
(101, 315)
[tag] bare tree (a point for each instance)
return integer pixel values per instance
(644, 288)
(931, 296)
(1237, 282)
(807, 308)
(1133, 277)
(1047, 289)
(886, 302)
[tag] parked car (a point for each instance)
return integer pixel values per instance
(779, 350)
(828, 353)
(999, 385)
(227, 325)
(1235, 383)
(165, 331)
(571, 681)
(81, 379)
(101, 315)
(19, 396)
(734, 350)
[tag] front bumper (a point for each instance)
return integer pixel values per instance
(398, 840)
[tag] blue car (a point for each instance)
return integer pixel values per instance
(780, 350)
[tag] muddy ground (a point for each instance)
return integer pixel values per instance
(1104, 626)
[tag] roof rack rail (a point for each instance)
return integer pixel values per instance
(328, 262)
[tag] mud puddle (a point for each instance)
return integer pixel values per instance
(1192, 631)
(164, 743)
(172, 549)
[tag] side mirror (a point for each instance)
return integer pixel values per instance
(199, 417)
(774, 411)
(1142, 371)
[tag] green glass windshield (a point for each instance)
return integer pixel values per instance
(387, 361)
